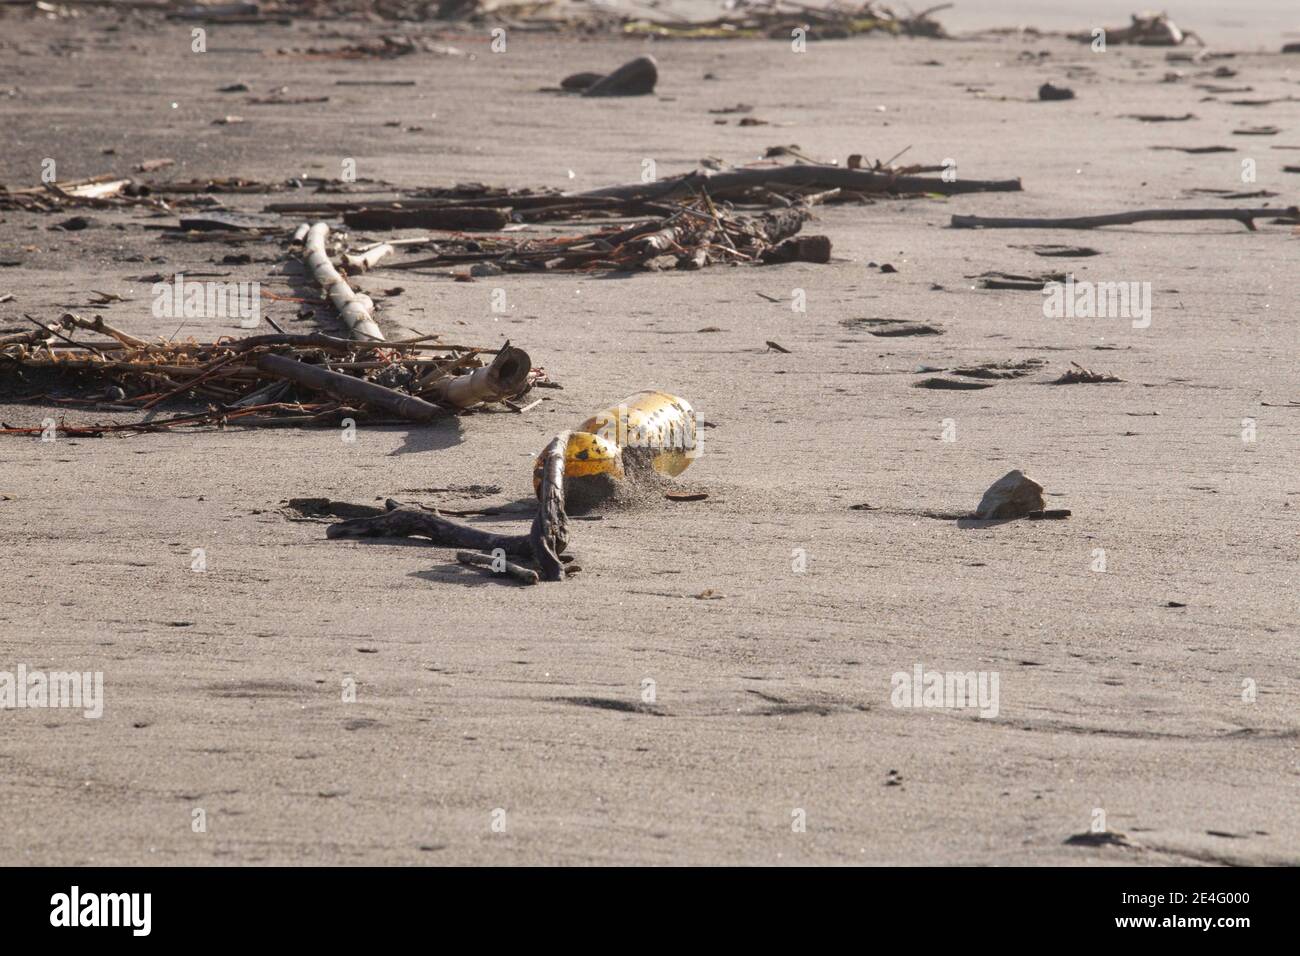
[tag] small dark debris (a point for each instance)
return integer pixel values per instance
(77, 223)
(1050, 91)
(950, 383)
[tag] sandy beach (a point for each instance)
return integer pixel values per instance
(1144, 648)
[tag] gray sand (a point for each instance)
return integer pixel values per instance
(224, 689)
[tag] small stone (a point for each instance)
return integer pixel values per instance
(1104, 838)
(486, 269)
(577, 82)
(634, 78)
(77, 223)
(1014, 495)
(1050, 91)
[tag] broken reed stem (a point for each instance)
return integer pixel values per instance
(367, 259)
(186, 386)
(356, 309)
(504, 378)
(103, 328)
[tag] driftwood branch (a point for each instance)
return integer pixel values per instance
(825, 177)
(1246, 217)
(351, 389)
(312, 340)
(545, 542)
(403, 521)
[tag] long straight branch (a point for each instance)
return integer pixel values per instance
(827, 177)
(1246, 217)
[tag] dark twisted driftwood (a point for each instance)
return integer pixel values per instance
(1246, 217)
(403, 521)
(544, 543)
(549, 535)
(826, 177)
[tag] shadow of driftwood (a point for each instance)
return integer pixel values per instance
(457, 573)
(978, 524)
(436, 436)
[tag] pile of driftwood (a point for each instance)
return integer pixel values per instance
(744, 18)
(688, 235)
(687, 221)
(778, 19)
(95, 192)
(262, 380)
(110, 191)
(1146, 29)
(476, 206)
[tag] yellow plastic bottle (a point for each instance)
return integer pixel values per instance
(659, 425)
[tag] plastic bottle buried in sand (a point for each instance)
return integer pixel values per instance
(662, 425)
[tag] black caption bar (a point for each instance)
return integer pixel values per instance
(334, 906)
